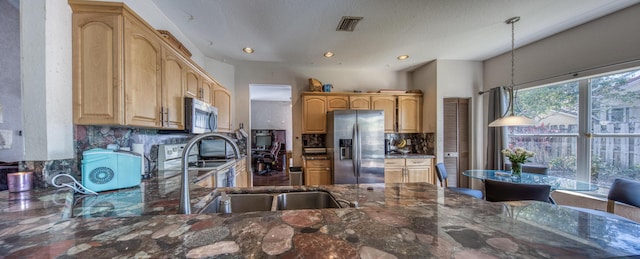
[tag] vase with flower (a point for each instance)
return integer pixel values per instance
(517, 156)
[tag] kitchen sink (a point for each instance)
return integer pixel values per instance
(306, 200)
(248, 202)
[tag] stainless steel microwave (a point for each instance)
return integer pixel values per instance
(200, 117)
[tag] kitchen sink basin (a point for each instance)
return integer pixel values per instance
(306, 200)
(248, 202)
(242, 203)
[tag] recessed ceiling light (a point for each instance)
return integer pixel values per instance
(403, 57)
(248, 50)
(328, 54)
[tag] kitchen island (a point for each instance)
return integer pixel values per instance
(411, 220)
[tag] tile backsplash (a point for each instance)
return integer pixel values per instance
(421, 143)
(88, 137)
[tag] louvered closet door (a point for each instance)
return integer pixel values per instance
(456, 140)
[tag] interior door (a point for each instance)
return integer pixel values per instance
(456, 140)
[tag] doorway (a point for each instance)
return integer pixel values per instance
(271, 118)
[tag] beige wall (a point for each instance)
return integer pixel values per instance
(604, 41)
(450, 79)
(343, 80)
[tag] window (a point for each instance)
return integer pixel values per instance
(589, 128)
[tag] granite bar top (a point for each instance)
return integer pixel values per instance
(415, 220)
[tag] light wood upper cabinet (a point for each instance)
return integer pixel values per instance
(125, 73)
(314, 114)
(337, 103)
(222, 101)
(143, 76)
(207, 90)
(409, 114)
(388, 105)
(173, 88)
(359, 103)
(192, 78)
(97, 91)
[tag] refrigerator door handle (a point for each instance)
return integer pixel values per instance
(354, 149)
(358, 152)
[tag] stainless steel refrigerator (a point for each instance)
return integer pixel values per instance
(355, 138)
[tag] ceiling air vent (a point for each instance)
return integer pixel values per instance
(348, 23)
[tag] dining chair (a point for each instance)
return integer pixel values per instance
(441, 172)
(623, 191)
(505, 191)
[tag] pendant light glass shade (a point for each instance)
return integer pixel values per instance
(513, 120)
(509, 118)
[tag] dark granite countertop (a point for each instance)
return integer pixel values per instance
(415, 220)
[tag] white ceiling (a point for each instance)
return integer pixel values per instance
(298, 32)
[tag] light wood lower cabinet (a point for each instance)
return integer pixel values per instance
(317, 172)
(408, 170)
(242, 176)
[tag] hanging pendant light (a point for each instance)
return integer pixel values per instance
(509, 118)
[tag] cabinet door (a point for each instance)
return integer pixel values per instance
(388, 105)
(143, 75)
(97, 77)
(222, 101)
(314, 114)
(419, 170)
(394, 170)
(337, 103)
(172, 89)
(393, 175)
(242, 179)
(207, 90)
(409, 114)
(417, 174)
(359, 102)
(193, 83)
(317, 176)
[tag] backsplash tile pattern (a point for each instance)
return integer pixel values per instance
(421, 143)
(88, 137)
(313, 140)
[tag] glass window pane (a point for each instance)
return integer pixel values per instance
(615, 102)
(556, 153)
(615, 109)
(612, 158)
(555, 107)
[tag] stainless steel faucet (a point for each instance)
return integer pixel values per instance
(185, 200)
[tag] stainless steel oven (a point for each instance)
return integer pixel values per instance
(200, 117)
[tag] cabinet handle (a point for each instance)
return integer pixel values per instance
(162, 116)
(167, 116)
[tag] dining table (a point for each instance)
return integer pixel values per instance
(556, 182)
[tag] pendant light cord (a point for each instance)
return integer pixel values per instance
(512, 92)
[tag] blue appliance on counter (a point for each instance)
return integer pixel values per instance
(105, 169)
